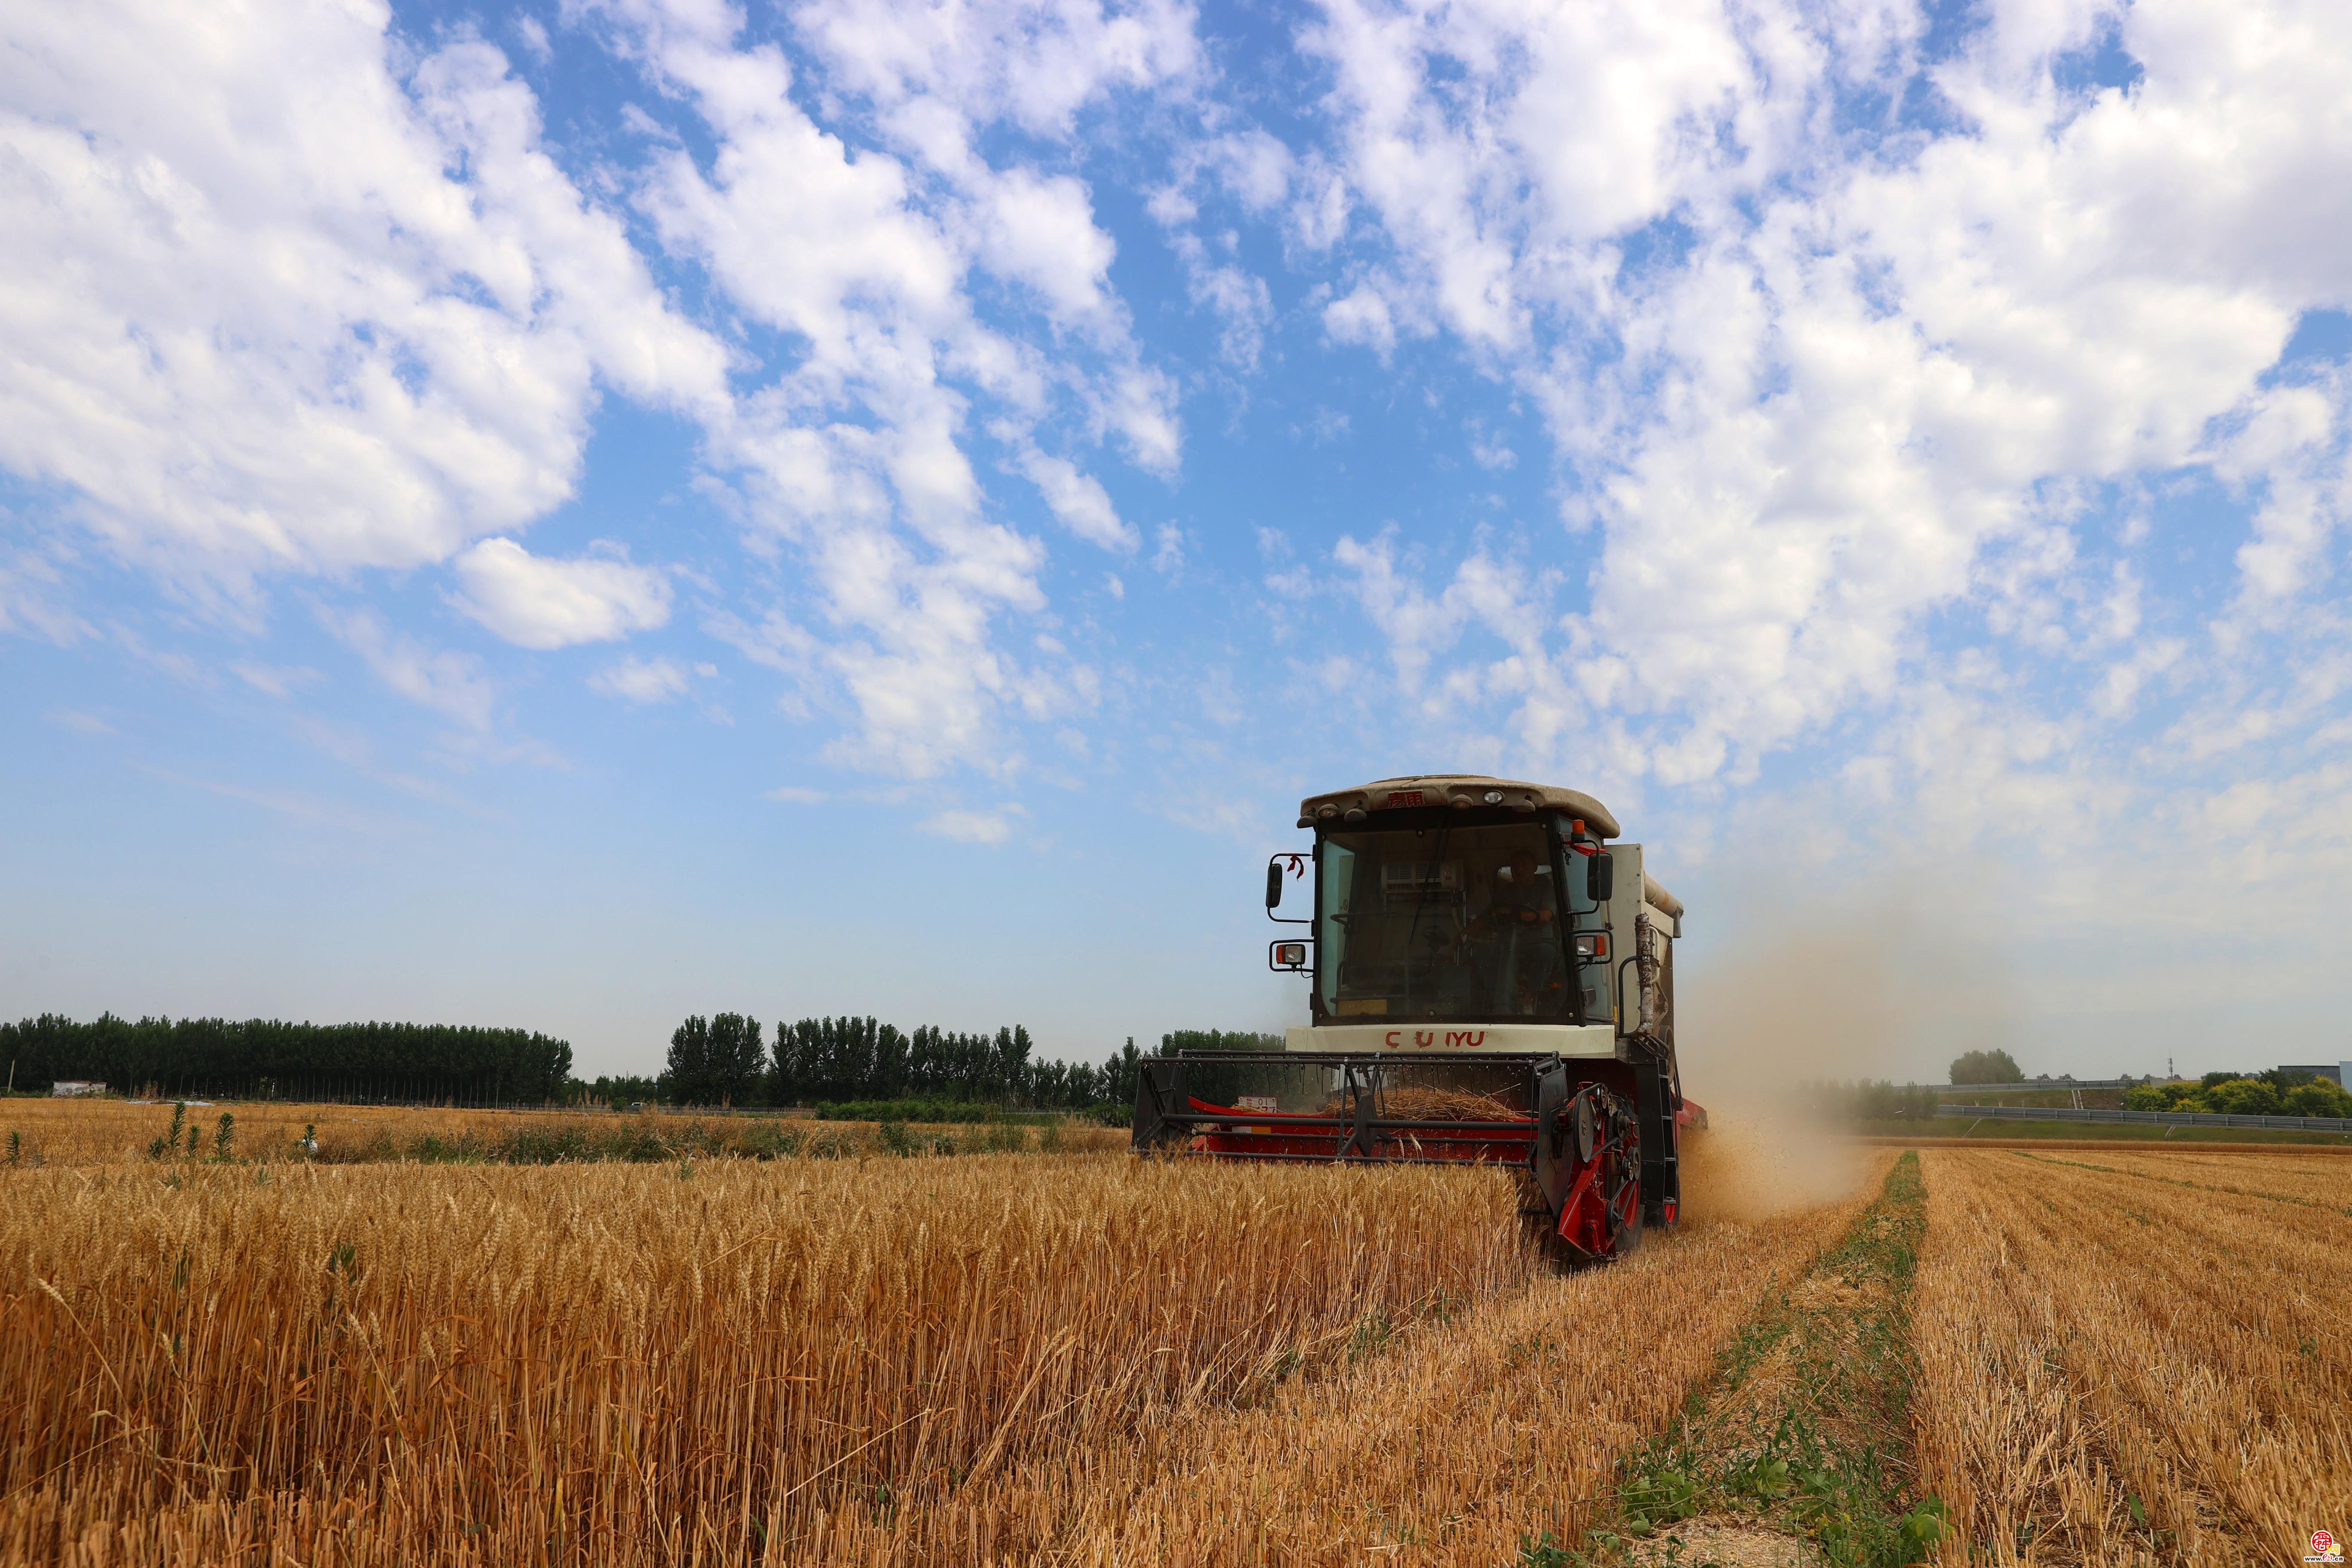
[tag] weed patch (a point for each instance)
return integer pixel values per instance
(1804, 1429)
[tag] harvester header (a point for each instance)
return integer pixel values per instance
(1490, 981)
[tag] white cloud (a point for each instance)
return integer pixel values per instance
(854, 455)
(2294, 446)
(1244, 306)
(276, 680)
(1168, 559)
(1141, 406)
(34, 598)
(972, 826)
(1079, 501)
(1318, 218)
(541, 601)
(1255, 167)
(1041, 231)
(289, 337)
(1361, 318)
(1327, 424)
(1844, 393)
(1490, 452)
(1860, 435)
(450, 683)
(641, 681)
(1831, 401)
(1034, 62)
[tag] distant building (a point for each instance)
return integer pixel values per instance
(74, 1088)
(2335, 1072)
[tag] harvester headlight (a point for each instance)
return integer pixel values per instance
(1592, 944)
(1494, 797)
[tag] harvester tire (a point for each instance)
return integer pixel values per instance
(1629, 1238)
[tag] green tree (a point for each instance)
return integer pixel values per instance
(2316, 1096)
(2243, 1097)
(1986, 1067)
(1120, 1072)
(1009, 1068)
(687, 1081)
(218, 1056)
(1217, 1040)
(619, 1092)
(737, 1061)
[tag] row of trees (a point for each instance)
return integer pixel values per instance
(2277, 1092)
(721, 1060)
(724, 1059)
(2273, 1093)
(264, 1057)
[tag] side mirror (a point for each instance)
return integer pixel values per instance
(1601, 877)
(1273, 884)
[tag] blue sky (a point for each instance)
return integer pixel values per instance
(568, 515)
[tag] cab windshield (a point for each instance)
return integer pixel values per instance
(1460, 923)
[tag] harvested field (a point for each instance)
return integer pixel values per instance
(1991, 1134)
(2118, 1368)
(2319, 1179)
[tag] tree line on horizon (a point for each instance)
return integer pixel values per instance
(270, 1058)
(721, 1060)
(724, 1059)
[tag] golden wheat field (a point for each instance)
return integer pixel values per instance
(105, 1131)
(831, 1354)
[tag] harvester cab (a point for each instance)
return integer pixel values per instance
(1490, 982)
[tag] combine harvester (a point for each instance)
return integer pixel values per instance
(1491, 982)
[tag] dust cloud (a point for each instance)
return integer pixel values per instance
(1748, 1166)
(1795, 992)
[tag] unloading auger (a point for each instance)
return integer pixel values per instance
(1491, 981)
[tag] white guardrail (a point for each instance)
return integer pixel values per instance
(2033, 1085)
(2153, 1118)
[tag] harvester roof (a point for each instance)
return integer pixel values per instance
(1464, 789)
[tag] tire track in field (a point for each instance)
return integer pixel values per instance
(1456, 1444)
(1798, 1450)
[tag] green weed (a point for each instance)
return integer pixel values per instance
(1833, 1465)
